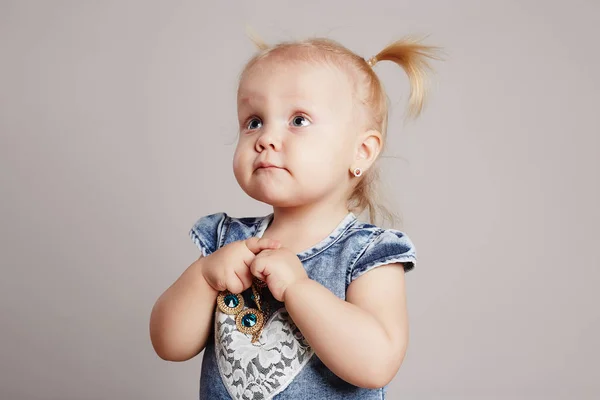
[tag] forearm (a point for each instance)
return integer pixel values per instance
(180, 322)
(349, 341)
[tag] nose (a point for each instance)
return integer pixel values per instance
(268, 138)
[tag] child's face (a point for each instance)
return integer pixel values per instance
(298, 117)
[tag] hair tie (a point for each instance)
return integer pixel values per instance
(371, 61)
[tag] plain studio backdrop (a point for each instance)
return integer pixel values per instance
(118, 126)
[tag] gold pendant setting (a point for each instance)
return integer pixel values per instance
(250, 320)
(230, 303)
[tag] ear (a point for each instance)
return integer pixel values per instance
(368, 148)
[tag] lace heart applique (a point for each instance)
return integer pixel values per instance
(262, 369)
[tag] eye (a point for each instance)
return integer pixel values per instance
(254, 123)
(300, 120)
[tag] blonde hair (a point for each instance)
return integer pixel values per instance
(408, 53)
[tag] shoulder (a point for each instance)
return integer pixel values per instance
(212, 231)
(375, 246)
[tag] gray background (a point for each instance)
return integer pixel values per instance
(118, 126)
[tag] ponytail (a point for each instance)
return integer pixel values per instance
(412, 56)
(256, 39)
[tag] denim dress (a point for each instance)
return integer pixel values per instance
(281, 364)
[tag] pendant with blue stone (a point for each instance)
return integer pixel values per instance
(249, 321)
(230, 303)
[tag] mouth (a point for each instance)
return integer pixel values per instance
(268, 169)
(267, 166)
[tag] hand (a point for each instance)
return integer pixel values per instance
(280, 268)
(228, 268)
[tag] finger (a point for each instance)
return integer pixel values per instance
(255, 244)
(257, 268)
(257, 273)
(264, 253)
(267, 243)
(245, 276)
(234, 283)
(258, 246)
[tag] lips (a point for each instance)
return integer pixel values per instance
(267, 165)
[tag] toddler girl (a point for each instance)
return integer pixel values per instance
(306, 302)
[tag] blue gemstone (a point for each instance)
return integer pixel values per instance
(249, 320)
(231, 301)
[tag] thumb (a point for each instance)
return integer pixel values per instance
(256, 245)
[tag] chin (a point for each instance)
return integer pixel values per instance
(273, 196)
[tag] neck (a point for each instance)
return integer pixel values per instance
(301, 227)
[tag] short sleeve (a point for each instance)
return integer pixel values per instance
(206, 232)
(386, 247)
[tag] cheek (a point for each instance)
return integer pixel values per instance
(239, 160)
(330, 154)
(324, 165)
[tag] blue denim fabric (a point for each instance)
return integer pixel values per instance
(282, 365)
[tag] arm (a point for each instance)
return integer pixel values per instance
(362, 340)
(181, 318)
